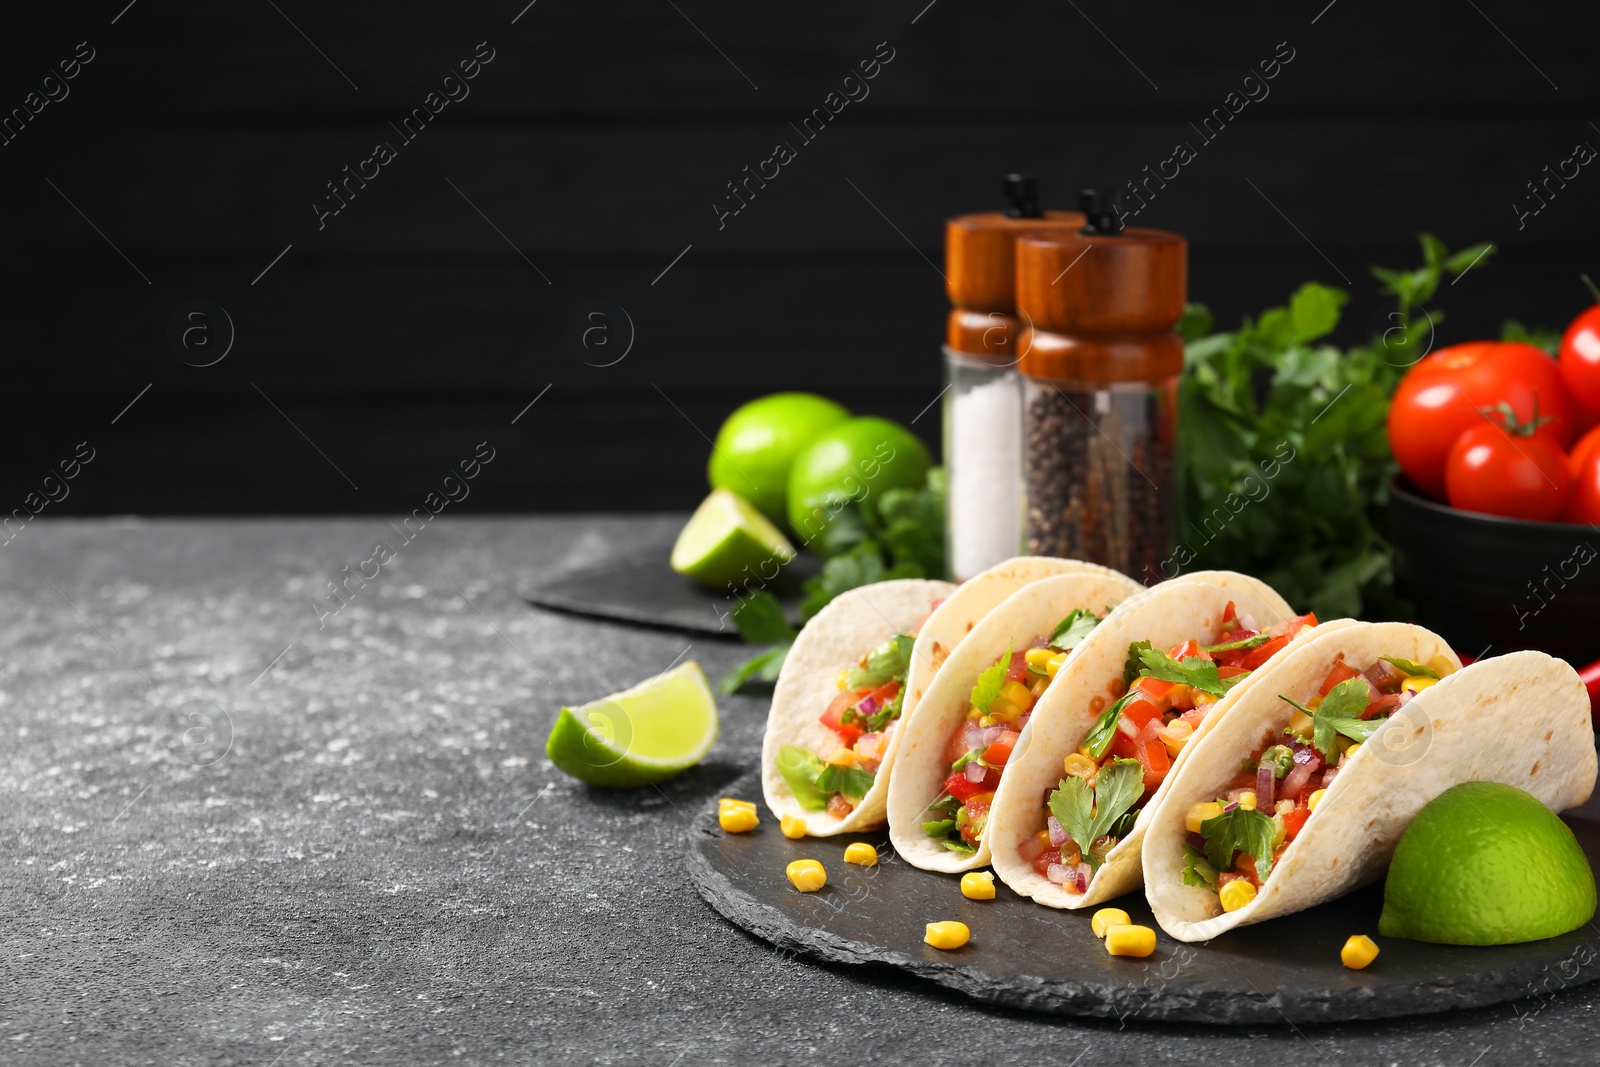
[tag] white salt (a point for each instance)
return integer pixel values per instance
(983, 454)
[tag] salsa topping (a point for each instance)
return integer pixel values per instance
(1241, 835)
(863, 717)
(1161, 699)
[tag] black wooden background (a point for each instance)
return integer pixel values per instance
(379, 350)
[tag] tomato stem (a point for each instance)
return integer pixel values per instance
(1514, 426)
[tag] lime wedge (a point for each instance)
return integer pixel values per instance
(728, 540)
(659, 728)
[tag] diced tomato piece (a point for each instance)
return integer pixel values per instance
(1018, 669)
(839, 807)
(1244, 865)
(1383, 706)
(1255, 657)
(1043, 861)
(956, 747)
(1339, 672)
(1226, 671)
(1293, 625)
(1230, 617)
(885, 692)
(959, 787)
(1154, 688)
(1189, 648)
(1195, 716)
(848, 732)
(997, 754)
(1141, 712)
(978, 803)
(1294, 821)
(1123, 746)
(1153, 756)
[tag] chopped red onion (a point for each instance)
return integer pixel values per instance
(1266, 787)
(1058, 836)
(1308, 756)
(1080, 879)
(1296, 780)
(1197, 840)
(993, 734)
(974, 736)
(867, 706)
(1058, 874)
(1247, 621)
(1328, 775)
(973, 771)
(1231, 806)
(1127, 727)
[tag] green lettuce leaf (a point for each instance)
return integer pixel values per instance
(890, 660)
(801, 769)
(991, 681)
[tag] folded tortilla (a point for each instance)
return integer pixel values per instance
(922, 768)
(1166, 615)
(1521, 719)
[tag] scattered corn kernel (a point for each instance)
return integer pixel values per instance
(1442, 666)
(1128, 940)
(1315, 799)
(1077, 765)
(1199, 813)
(1039, 658)
(737, 820)
(725, 803)
(1055, 663)
(1352, 750)
(861, 854)
(1236, 894)
(808, 876)
(1416, 683)
(1107, 917)
(947, 935)
(793, 827)
(1247, 800)
(978, 885)
(1300, 725)
(843, 757)
(1359, 951)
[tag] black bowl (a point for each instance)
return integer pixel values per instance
(1490, 585)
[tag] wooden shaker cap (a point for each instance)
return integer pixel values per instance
(980, 255)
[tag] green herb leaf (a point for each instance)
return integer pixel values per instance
(958, 845)
(1197, 870)
(890, 660)
(861, 565)
(968, 757)
(1340, 713)
(851, 782)
(939, 828)
(1104, 730)
(801, 769)
(1131, 669)
(1243, 642)
(1196, 671)
(1086, 814)
(1070, 631)
(990, 682)
(886, 714)
(1238, 830)
(763, 666)
(1416, 670)
(760, 619)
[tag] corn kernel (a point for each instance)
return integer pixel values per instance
(1416, 683)
(1107, 917)
(1039, 658)
(1017, 693)
(978, 885)
(1442, 666)
(793, 827)
(1315, 799)
(1280, 828)
(1039, 684)
(843, 757)
(844, 679)
(1077, 765)
(1358, 951)
(1300, 725)
(1130, 940)
(1199, 813)
(725, 803)
(861, 854)
(1055, 663)
(1175, 735)
(808, 876)
(947, 934)
(1247, 800)
(1236, 894)
(1351, 751)
(737, 820)
(1285, 807)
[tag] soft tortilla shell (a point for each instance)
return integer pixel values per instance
(921, 768)
(853, 623)
(1166, 615)
(1521, 719)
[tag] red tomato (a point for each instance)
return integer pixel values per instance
(1189, 648)
(1230, 616)
(1123, 746)
(1443, 395)
(1154, 688)
(1580, 358)
(1339, 672)
(1500, 472)
(1226, 671)
(1261, 653)
(1141, 712)
(958, 786)
(1382, 706)
(1293, 822)
(997, 754)
(956, 747)
(1018, 669)
(1153, 757)
(848, 732)
(1293, 625)
(1043, 860)
(1584, 504)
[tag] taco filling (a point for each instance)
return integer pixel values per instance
(1235, 840)
(863, 717)
(999, 706)
(1153, 711)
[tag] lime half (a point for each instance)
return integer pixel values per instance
(1486, 864)
(728, 540)
(659, 728)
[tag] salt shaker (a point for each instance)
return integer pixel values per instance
(983, 399)
(1100, 366)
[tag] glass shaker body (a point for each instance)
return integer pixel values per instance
(983, 458)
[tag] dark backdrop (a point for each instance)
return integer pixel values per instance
(390, 339)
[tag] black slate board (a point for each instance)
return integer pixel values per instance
(642, 590)
(1026, 956)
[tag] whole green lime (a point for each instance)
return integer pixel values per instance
(1486, 864)
(759, 441)
(849, 463)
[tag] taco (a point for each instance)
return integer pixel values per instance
(962, 732)
(1132, 699)
(852, 677)
(1301, 793)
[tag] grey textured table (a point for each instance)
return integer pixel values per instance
(383, 868)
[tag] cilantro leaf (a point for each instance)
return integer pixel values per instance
(1238, 830)
(861, 565)
(1130, 669)
(760, 619)
(1087, 814)
(1340, 713)
(1070, 631)
(1104, 730)
(763, 666)
(890, 660)
(1197, 870)
(801, 769)
(990, 682)
(1416, 670)
(1196, 671)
